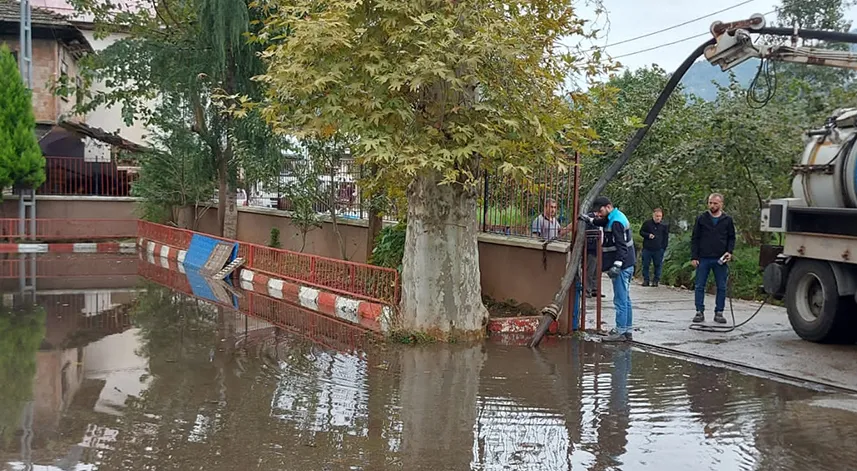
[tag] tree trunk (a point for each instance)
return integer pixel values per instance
(226, 203)
(375, 226)
(441, 286)
(438, 393)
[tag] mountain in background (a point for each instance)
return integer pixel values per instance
(697, 80)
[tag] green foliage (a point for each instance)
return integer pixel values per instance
(182, 174)
(275, 238)
(510, 216)
(21, 333)
(194, 56)
(21, 160)
(390, 247)
(429, 87)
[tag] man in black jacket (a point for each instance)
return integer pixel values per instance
(711, 248)
(656, 237)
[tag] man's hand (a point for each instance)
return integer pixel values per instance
(695, 263)
(727, 257)
(586, 218)
(651, 236)
(615, 270)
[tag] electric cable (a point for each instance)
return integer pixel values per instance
(671, 43)
(624, 41)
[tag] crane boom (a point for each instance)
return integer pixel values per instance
(734, 45)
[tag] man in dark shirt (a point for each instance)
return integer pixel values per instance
(656, 237)
(712, 242)
(618, 258)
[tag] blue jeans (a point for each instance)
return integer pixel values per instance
(655, 256)
(622, 300)
(721, 273)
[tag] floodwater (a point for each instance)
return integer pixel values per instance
(131, 375)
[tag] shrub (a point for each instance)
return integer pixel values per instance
(275, 238)
(390, 247)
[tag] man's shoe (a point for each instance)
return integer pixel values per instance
(615, 337)
(699, 317)
(645, 283)
(655, 284)
(718, 317)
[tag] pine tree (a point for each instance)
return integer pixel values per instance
(21, 160)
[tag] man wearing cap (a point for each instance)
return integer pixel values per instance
(619, 257)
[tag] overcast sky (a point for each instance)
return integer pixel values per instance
(632, 18)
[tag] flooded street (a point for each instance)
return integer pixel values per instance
(136, 376)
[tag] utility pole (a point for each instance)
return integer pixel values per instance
(27, 197)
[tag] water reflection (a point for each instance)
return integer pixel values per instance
(168, 381)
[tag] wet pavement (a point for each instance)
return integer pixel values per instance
(766, 344)
(144, 377)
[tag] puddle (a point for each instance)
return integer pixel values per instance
(149, 378)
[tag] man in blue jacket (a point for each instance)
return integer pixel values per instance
(619, 257)
(712, 242)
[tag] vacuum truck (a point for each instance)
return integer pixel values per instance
(813, 265)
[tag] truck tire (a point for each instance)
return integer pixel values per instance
(816, 311)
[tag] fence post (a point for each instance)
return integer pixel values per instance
(485, 201)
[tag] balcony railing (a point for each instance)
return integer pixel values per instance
(66, 176)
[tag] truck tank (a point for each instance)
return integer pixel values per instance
(827, 174)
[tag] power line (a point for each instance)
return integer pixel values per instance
(671, 43)
(673, 26)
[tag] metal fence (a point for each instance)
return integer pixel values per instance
(511, 207)
(360, 280)
(506, 206)
(75, 176)
(69, 229)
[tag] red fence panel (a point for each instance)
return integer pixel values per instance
(360, 280)
(172, 236)
(75, 176)
(70, 229)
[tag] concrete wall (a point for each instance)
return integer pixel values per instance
(511, 268)
(77, 207)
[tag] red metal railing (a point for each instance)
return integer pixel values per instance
(360, 280)
(75, 176)
(70, 229)
(70, 266)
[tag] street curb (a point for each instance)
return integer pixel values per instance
(99, 247)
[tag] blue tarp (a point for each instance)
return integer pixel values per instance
(201, 248)
(202, 289)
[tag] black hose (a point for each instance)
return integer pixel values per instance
(551, 313)
(832, 36)
(727, 328)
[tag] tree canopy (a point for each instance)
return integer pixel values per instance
(21, 160)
